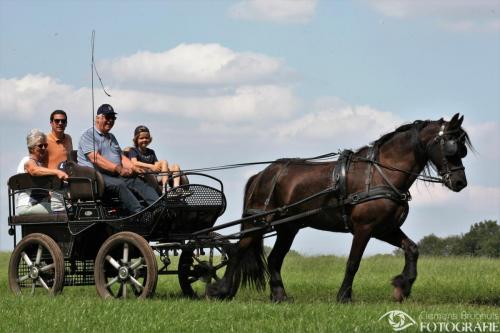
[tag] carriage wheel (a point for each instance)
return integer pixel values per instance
(125, 267)
(37, 264)
(196, 271)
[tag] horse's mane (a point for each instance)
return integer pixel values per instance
(417, 124)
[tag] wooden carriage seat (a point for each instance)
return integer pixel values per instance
(25, 181)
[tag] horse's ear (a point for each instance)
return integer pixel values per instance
(454, 122)
(460, 121)
(454, 118)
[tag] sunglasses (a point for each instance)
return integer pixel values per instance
(42, 146)
(109, 117)
(60, 121)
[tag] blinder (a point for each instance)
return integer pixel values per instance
(452, 148)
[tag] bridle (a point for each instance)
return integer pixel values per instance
(449, 146)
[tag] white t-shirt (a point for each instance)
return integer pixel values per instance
(23, 199)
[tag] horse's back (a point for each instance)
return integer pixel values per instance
(284, 182)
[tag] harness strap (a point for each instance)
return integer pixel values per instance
(340, 182)
(368, 174)
(376, 192)
(275, 181)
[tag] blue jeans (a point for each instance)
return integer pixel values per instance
(123, 186)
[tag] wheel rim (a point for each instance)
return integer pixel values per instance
(196, 271)
(36, 266)
(125, 268)
(125, 274)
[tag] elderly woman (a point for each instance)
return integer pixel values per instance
(37, 201)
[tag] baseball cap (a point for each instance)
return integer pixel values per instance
(105, 109)
(140, 129)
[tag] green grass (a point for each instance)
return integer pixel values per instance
(444, 286)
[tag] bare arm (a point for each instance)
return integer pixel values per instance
(33, 169)
(105, 164)
(143, 165)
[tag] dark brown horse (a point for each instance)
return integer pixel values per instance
(366, 193)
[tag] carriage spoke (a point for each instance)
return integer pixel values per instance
(222, 264)
(26, 259)
(113, 262)
(136, 284)
(42, 282)
(47, 267)
(211, 257)
(124, 290)
(125, 253)
(33, 286)
(112, 282)
(138, 263)
(38, 255)
(192, 279)
(197, 259)
(23, 278)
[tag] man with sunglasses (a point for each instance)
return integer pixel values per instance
(99, 149)
(59, 143)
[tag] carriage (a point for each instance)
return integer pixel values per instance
(94, 242)
(363, 192)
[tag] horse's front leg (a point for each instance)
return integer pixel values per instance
(403, 282)
(281, 247)
(362, 234)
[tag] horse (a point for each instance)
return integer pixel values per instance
(365, 192)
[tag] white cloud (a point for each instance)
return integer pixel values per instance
(23, 98)
(194, 64)
(485, 138)
(333, 118)
(456, 15)
(247, 103)
(280, 11)
(27, 97)
(482, 199)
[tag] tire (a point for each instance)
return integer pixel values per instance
(125, 267)
(195, 271)
(37, 264)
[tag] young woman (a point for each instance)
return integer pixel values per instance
(145, 158)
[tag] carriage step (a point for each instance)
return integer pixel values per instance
(158, 245)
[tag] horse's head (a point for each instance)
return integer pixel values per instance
(446, 150)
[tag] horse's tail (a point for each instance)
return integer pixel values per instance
(251, 265)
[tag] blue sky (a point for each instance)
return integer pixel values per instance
(234, 81)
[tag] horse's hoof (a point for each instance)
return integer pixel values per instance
(344, 300)
(398, 294)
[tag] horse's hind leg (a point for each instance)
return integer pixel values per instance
(403, 282)
(362, 234)
(284, 240)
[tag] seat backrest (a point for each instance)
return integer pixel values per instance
(24, 181)
(85, 183)
(73, 156)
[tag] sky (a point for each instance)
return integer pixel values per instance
(221, 82)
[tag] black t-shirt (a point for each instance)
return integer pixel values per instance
(148, 156)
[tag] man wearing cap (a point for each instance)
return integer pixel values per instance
(107, 157)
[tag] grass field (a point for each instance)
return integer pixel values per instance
(445, 287)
